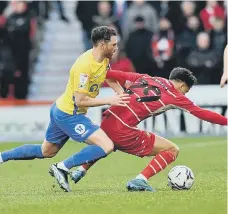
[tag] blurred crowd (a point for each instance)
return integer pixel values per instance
(153, 37)
(21, 23)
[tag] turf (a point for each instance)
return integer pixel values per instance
(26, 187)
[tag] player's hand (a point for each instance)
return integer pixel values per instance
(223, 80)
(119, 100)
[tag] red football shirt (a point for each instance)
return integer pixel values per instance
(170, 98)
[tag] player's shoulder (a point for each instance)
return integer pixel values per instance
(85, 58)
(82, 62)
(170, 89)
(179, 99)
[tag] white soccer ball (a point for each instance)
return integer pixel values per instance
(180, 178)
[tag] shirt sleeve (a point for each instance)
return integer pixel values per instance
(81, 79)
(122, 77)
(187, 105)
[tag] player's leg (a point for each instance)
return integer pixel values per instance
(164, 152)
(81, 129)
(99, 146)
(54, 141)
(30, 152)
(81, 171)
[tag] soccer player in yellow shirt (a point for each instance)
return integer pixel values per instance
(67, 114)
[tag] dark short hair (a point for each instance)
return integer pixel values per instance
(102, 33)
(184, 75)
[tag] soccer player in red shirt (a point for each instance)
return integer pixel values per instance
(150, 96)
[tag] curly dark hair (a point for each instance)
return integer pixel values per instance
(184, 75)
(102, 33)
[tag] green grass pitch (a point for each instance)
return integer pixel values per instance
(26, 187)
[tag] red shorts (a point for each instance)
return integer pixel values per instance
(128, 140)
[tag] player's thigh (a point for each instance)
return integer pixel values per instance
(162, 144)
(100, 138)
(55, 138)
(56, 135)
(81, 129)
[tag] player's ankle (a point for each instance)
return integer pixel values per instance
(142, 177)
(62, 166)
(82, 169)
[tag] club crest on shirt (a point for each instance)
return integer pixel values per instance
(79, 128)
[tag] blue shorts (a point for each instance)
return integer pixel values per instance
(63, 126)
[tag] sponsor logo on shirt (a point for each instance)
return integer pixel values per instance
(93, 88)
(83, 80)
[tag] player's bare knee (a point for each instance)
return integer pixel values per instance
(48, 153)
(49, 150)
(108, 147)
(177, 150)
(100, 139)
(174, 149)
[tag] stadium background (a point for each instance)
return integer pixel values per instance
(39, 41)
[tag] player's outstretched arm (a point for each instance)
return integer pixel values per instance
(225, 67)
(203, 114)
(210, 116)
(122, 77)
(82, 100)
(115, 85)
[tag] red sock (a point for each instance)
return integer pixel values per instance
(88, 165)
(158, 163)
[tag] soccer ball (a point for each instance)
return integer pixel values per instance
(180, 178)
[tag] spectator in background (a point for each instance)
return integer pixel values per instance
(119, 10)
(163, 48)
(170, 10)
(146, 11)
(188, 9)
(84, 11)
(203, 61)
(186, 40)
(20, 26)
(138, 47)
(218, 35)
(121, 62)
(210, 12)
(118, 36)
(161, 7)
(3, 5)
(6, 60)
(48, 4)
(104, 17)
